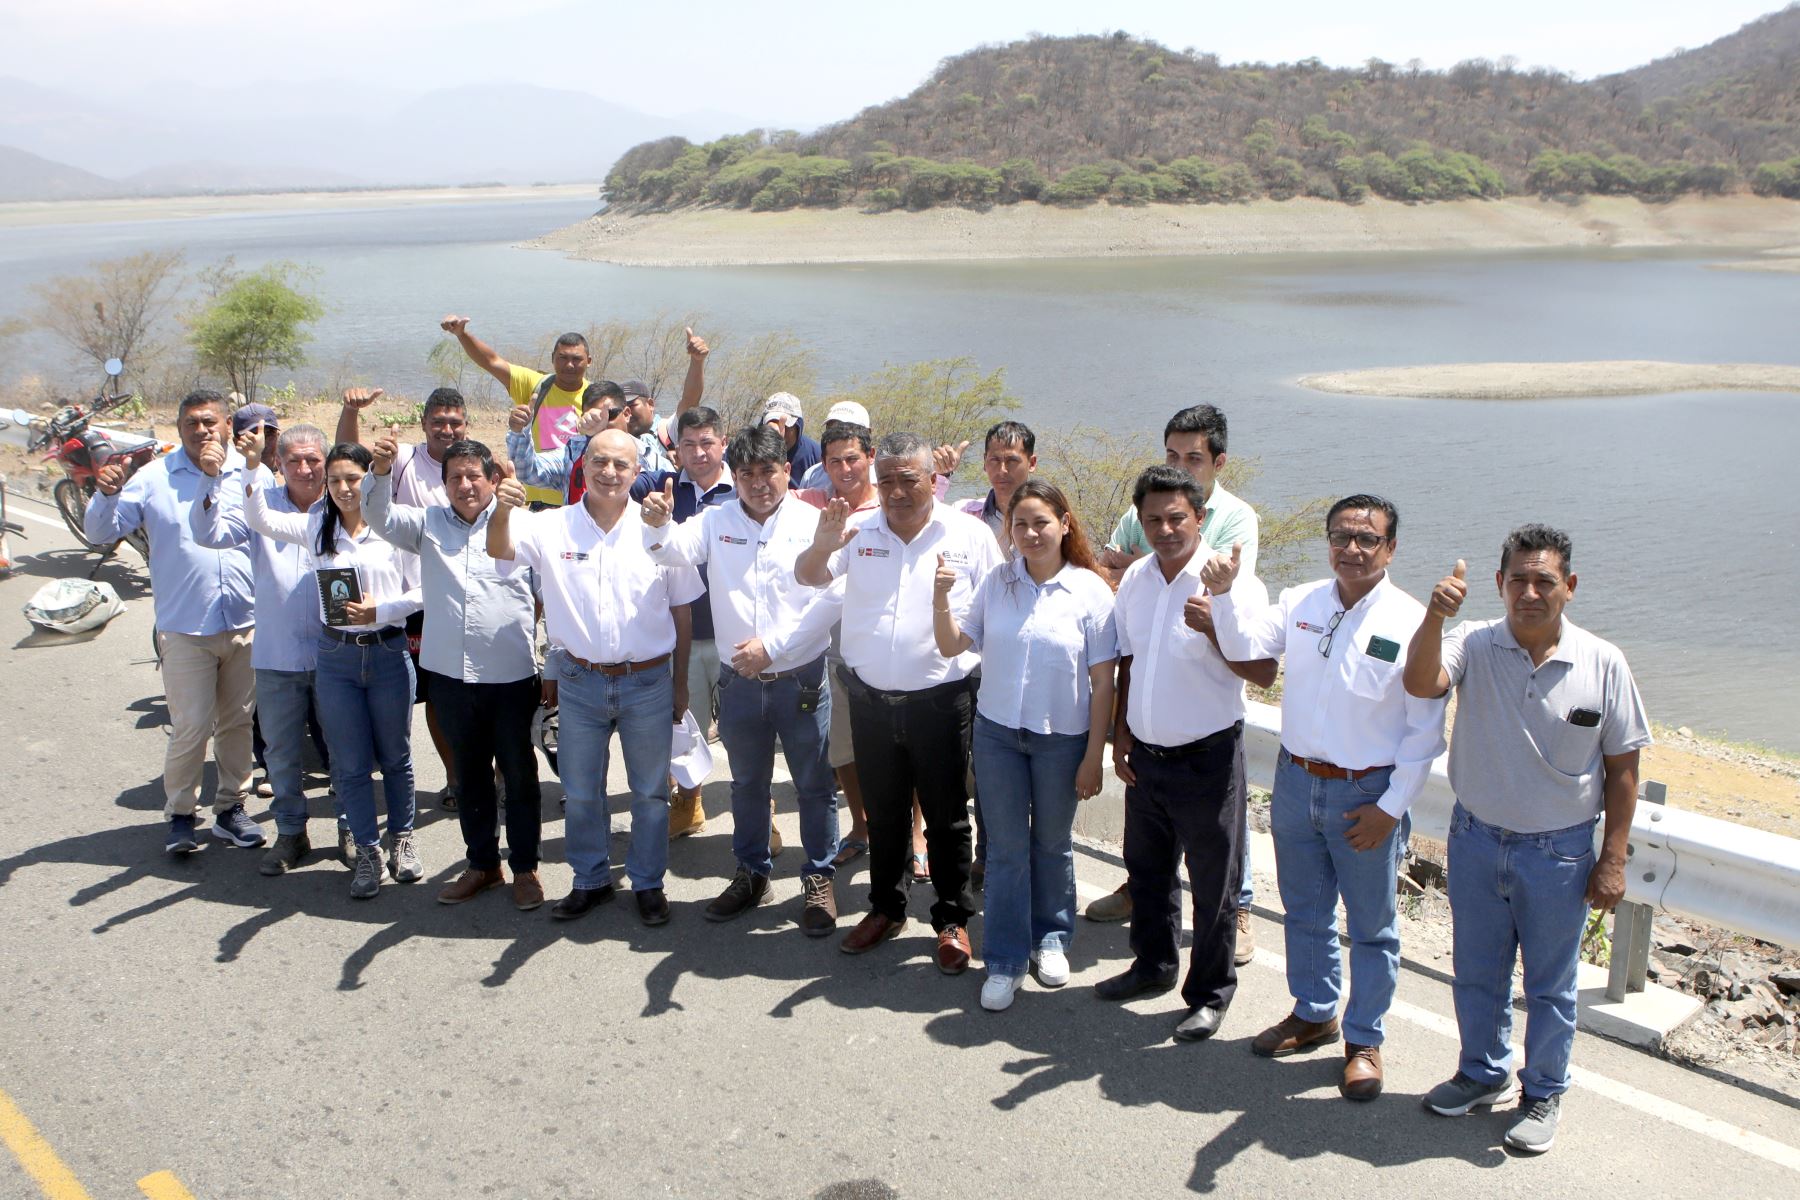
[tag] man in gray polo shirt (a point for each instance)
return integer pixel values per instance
(1548, 729)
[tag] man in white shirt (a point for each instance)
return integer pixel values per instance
(1356, 751)
(771, 683)
(619, 630)
(911, 709)
(1178, 747)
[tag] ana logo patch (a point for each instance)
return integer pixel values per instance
(871, 552)
(733, 541)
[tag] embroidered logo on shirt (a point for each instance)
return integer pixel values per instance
(1309, 627)
(574, 556)
(956, 558)
(733, 541)
(871, 552)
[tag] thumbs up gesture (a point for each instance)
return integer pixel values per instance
(1220, 572)
(510, 493)
(593, 422)
(943, 581)
(658, 506)
(696, 345)
(518, 418)
(212, 458)
(1452, 589)
(384, 452)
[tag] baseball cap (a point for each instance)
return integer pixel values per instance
(785, 405)
(850, 411)
(635, 387)
(252, 415)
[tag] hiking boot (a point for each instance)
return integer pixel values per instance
(346, 847)
(687, 815)
(1292, 1034)
(528, 890)
(746, 890)
(181, 838)
(403, 859)
(1458, 1094)
(286, 853)
(1535, 1130)
(470, 884)
(366, 882)
(819, 915)
(1115, 906)
(235, 826)
(1245, 950)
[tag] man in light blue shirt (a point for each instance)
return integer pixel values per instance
(204, 612)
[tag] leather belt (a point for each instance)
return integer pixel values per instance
(1184, 750)
(1325, 770)
(858, 688)
(769, 676)
(613, 670)
(365, 639)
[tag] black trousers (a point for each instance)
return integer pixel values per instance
(1187, 804)
(489, 725)
(907, 742)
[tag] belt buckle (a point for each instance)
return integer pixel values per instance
(767, 676)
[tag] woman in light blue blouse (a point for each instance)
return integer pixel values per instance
(1044, 626)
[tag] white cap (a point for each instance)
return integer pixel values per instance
(784, 405)
(849, 410)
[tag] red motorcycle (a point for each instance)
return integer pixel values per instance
(69, 439)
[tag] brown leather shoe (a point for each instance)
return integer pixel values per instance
(1362, 1072)
(470, 884)
(953, 950)
(870, 932)
(528, 890)
(1246, 939)
(1290, 1035)
(819, 914)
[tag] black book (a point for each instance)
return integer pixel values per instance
(338, 589)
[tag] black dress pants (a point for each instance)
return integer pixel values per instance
(1188, 802)
(909, 742)
(489, 725)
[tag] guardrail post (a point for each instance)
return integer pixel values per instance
(1630, 961)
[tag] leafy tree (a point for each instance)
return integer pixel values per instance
(1078, 185)
(948, 400)
(256, 321)
(116, 309)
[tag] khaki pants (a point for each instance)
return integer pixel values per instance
(211, 688)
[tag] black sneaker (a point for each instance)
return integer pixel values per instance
(181, 835)
(746, 890)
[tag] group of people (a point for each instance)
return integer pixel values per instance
(907, 654)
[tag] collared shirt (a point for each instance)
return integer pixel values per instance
(1037, 642)
(888, 588)
(556, 468)
(751, 586)
(690, 499)
(987, 509)
(1348, 709)
(287, 603)
(418, 479)
(1181, 689)
(1518, 759)
(385, 574)
(1228, 519)
(605, 598)
(196, 590)
(479, 627)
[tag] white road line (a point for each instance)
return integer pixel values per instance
(1735, 1136)
(12, 512)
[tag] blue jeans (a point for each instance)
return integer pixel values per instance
(641, 708)
(1028, 784)
(1516, 895)
(284, 706)
(365, 696)
(752, 714)
(1314, 865)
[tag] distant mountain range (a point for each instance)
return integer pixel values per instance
(183, 138)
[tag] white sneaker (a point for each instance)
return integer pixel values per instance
(997, 992)
(1052, 967)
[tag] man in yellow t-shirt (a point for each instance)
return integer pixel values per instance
(555, 419)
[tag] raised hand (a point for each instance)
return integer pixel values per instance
(1220, 572)
(360, 398)
(831, 534)
(519, 418)
(384, 452)
(1197, 613)
(696, 345)
(658, 506)
(212, 458)
(1448, 595)
(250, 444)
(110, 478)
(592, 424)
(454, 324)
(510, 493)
(944, 580)
(945, 459)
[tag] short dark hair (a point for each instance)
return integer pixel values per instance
(199, 398)
(1361, 501)
(1538, 537)
(698, 417)
(843, 431)
(444, 397)
(603, 391)
(903, 445)
(756, 444)
(1200, 418)
(1161, 478)
(1011, 433)
(570, 339)
(470, 448)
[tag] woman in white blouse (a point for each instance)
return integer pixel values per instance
(1044, 626)
(364, 677)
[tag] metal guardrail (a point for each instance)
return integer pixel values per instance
(1699, 867)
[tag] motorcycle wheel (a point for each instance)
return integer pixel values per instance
(71, 502)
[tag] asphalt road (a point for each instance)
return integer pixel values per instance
(252, 1037)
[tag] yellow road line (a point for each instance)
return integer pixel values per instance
(53, 1178)
(164, 1186)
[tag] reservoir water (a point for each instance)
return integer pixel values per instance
(1682, 508)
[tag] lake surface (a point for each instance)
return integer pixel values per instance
(1682, 508)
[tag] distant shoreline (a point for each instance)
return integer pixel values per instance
(735, 237)
(20, 213)
(1555, 380)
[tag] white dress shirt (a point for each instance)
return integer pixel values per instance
(605, 599)
(1349, 708)
(287, 601)
(1181, 689)
(750, 576)
(888, 588)
(1037, 643)
(385, 574)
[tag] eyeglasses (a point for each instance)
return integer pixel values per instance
(1340, 539)
(1330, 630)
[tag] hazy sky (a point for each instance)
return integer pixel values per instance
(801, 62)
